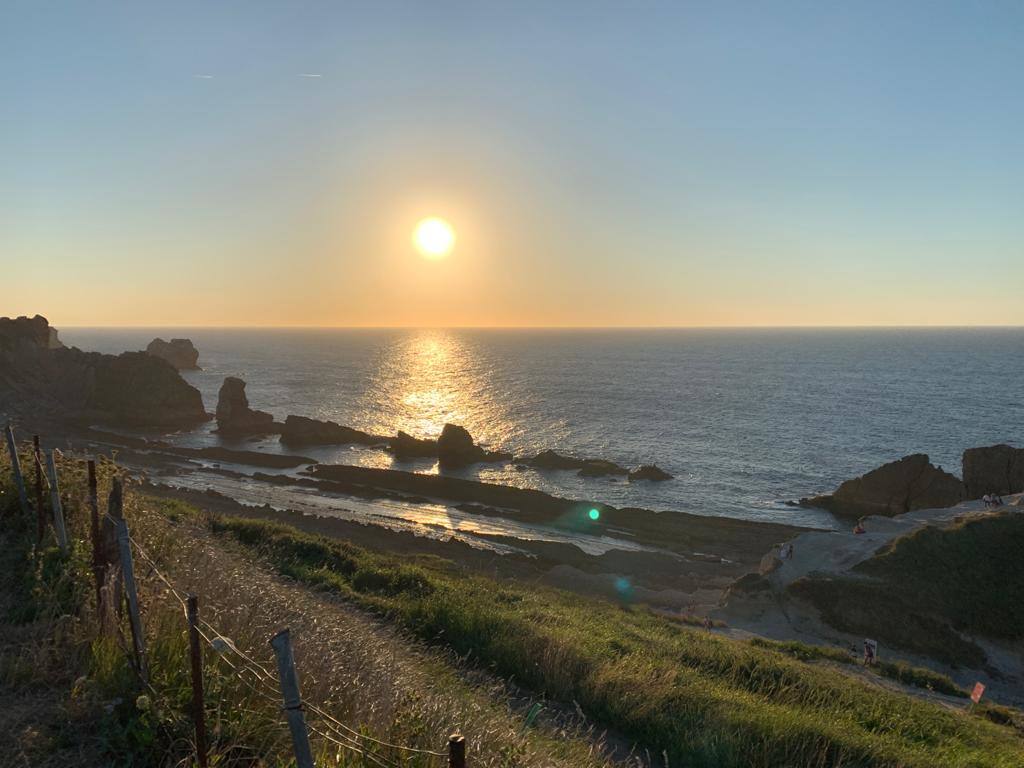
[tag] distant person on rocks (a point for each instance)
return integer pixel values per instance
(707, 623)
(859, 527)
(870, 652)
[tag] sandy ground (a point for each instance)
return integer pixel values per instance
(774, 615)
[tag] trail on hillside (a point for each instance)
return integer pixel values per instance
(360, 669)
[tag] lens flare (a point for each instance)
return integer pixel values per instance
(594, 514)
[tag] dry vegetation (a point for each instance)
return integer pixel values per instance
(388, 645)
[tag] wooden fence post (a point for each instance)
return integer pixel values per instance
(19, 479)
(110, 557)
(40, 515)
(456, 751)
(132, 595)
(282, 645)
(195, 651)
(94, 521)
(58, 510)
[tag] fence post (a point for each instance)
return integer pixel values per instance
(282, 645)
(40, 515)
(58, 510)
(134, 619)
(198, 715)
(19, 479)
(456, 751)
(94, 521)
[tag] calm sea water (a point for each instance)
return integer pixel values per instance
(744, 419)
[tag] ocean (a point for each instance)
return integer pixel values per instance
(744, 419)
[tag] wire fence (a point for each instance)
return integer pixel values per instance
(256, 676)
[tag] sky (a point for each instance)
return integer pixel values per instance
(603, 164)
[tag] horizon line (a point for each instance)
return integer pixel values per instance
(868, 326)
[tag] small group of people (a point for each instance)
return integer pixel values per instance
(992, 500)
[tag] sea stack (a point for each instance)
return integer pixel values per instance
(181, 353)
(910, 483)
(235, 417)
(455, 448)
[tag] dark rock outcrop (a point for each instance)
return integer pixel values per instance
(405, 446)
(180, 353)
(993, 469)
(455, 448)
(38, 377)
(892, 489)
(299, 430)
(235, 417)
(587, 467)
(649, 472)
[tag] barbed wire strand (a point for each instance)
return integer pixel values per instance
(267, 678)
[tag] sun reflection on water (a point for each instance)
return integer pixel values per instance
(428, 378)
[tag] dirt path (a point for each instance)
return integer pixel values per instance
(362, 670)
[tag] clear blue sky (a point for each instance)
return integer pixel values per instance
(685, 163)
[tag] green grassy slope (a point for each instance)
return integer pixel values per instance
(702, 699)
(925, 589)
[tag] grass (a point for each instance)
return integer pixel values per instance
(925, 591)
(900, 671)
(696, 698)
(701, 699)
(100, 711)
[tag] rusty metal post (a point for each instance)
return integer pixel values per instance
(19, 479)
(456, 751)
(40, 515)
(195, 651)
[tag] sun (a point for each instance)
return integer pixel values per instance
(434, 238)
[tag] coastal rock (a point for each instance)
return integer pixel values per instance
(235, 417)
(993, 469)
(299, 430)
(180, 353)
(455, 448)
(649, 472)
(405, 446)
(38, 374)
(910, 483)
(587, 467)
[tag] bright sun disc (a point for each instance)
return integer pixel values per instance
(434, 238)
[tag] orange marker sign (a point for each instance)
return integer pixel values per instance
(976, 693)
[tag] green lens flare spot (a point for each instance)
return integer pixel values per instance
(594, 514)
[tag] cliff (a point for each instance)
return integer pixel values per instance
(40, 379)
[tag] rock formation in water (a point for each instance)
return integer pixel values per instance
(180, 353)
(455, 448)
(235, 417)
(993, 469)
(648, 472)
(405, 446)
(41, 377)
(299, 430)
(586, 467)
(892, 489)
